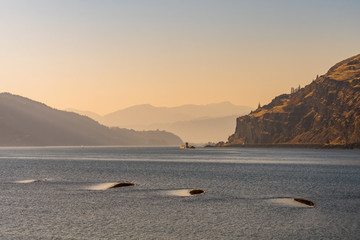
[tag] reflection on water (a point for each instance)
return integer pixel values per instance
(288, 202)
(179, 193)
(249, 193)
(214, 155)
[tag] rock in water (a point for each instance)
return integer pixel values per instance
(40, 180)
(196, 191)
(123, 184)
(304, 201)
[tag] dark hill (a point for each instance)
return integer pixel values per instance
(325, 112)
(24, 122)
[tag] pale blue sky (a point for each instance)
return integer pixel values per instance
(105, 55)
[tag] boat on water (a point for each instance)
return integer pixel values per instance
(186, 146)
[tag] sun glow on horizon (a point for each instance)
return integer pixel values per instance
(102, 56)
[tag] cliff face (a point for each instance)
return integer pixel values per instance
(327, 111)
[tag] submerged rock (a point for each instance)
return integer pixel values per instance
(40, 180)
(304, 201)
(196, 191)
(32, 180)
(123, 184)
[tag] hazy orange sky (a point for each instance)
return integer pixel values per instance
(105, 55)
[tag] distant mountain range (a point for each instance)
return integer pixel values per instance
(24, 122)
(201, 130)
(193, 123)
(325, 112)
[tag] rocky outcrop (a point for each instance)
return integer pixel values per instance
(196, 191)
(325, 112)
(123, 184)
(304, 201)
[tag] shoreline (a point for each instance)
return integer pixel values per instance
(290, 145)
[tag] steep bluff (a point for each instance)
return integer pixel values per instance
(327, 111)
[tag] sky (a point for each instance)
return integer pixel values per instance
(105, 55)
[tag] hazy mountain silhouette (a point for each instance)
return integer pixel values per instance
(142, 115)
(24, 122)
(194, 123)
(201, 130)
(92, 115)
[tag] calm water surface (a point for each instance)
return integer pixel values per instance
(248, 195)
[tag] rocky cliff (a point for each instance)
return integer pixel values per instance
(325, 112)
